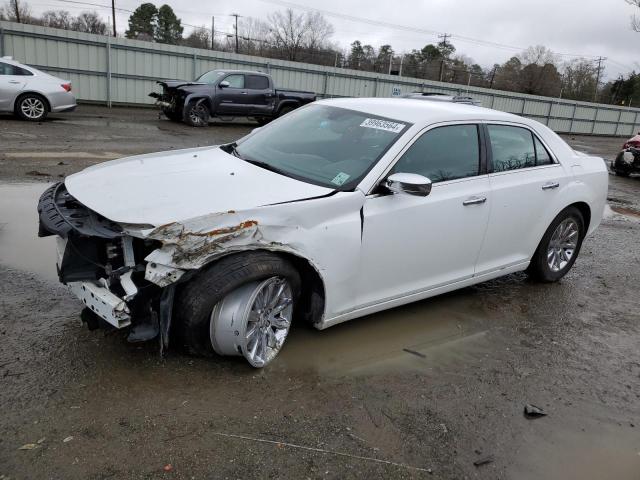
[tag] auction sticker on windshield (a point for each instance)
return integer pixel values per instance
(340, 178)
(383, 125)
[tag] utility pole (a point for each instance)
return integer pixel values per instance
(113, 14)
(17, 12)
(444, 38)
(595, 93)
(236, 15)
(493, 76)
(213, 32)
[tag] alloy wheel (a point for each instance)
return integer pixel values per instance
(32, 108)
(253, 321)
(563, 244)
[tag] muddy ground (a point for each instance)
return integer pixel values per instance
(348, 402)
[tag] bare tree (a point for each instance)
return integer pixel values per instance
(635, 20)
(254, 36)
(18, 11)
(538, 55)
(89, 22)
(289, 30)
(199, 38)
(57, 19)
(319, 31)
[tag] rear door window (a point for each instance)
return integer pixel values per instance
(257, 82)
(7, 69)
(514, 148)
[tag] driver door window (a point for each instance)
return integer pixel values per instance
(235, 81)
(444, 153)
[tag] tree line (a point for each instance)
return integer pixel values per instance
(307, 37)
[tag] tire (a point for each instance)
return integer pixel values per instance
(197, 299)
(286, 109)
(171, 115)
(262, 121)
(621, 173)
(32, 107)
(197, 114)
(551, 250)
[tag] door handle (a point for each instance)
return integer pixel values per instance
(474, 201)
(14, 81)
(244, 93)
(550, 185)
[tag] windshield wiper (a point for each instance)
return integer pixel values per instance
(231, 149)
(267, 166)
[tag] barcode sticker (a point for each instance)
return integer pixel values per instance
(383, 125)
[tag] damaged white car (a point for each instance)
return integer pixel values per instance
(337, 210)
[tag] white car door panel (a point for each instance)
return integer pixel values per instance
(414, 243)
(520, 200)
(10, 87)
(525, 188)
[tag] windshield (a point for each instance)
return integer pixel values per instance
(328, 146)
(210, 77)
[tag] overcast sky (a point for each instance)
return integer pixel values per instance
(576, 27)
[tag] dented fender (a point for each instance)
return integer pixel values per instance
(309, 229)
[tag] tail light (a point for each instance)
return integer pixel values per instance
(66, 86)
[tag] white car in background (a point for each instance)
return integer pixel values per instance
(32, 94)
(339, 209)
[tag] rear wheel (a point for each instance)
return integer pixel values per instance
(286, 109)
(31, 107)
(241, 305)
(197, 114)
(559, 247)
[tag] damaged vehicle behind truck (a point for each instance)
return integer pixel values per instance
(341, 209)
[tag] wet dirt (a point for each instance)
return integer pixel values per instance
(433, 385)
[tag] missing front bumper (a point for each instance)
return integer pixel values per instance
(103, 303)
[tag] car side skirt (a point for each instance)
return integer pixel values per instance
(416, 296)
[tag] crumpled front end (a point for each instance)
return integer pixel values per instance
(102, 264)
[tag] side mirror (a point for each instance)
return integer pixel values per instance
(223, 84)
(409, 183)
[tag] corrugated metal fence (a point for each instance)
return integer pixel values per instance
(116, 70)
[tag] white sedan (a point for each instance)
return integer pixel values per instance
(337, 210)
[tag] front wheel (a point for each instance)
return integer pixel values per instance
(241, 305)
(197, 114)
(286, 109)
(559, 247)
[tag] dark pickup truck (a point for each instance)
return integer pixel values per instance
(227, 94)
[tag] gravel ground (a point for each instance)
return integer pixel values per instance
(348, 402)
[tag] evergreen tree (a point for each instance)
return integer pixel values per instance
(169, 27)
(143, 22)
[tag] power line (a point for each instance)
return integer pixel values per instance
(396, 26)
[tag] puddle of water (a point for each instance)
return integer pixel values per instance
(630, 212)
(409, 337)
(596, 452)
(20, 246)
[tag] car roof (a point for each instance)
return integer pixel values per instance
(225, 70)
(420, 112)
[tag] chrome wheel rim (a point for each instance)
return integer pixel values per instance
(253, 321)
(562, 245)
(32, 108)
(197, 114)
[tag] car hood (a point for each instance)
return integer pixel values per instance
(161, 188)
